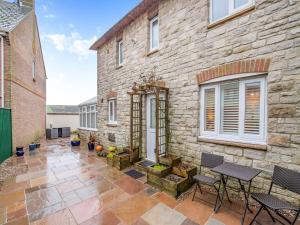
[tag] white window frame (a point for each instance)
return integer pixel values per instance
(33, 70)
(151, 33)
(231, 9)
(120, 53)
(241, 136)
(83, 112)
(112, 120)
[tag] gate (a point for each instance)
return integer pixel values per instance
(5, 134)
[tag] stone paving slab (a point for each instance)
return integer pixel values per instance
(64, 186)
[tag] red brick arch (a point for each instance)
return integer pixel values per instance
(237, 67)
(111, 94)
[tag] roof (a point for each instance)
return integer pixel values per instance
(90, 101)
(62, 109)
(139, 10)
(11, 14)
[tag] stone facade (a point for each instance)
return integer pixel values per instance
(24, 95)
(189, 49)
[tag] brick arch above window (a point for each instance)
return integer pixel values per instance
(237, 67)
(111, 94)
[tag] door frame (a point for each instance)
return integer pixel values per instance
(152, 158)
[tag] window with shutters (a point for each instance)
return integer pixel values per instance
(234, 110)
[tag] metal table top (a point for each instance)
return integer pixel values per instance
(244, 173)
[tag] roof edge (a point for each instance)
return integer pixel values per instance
(132, 15)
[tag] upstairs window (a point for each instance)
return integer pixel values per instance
(234, 110)
(33, 71)
(112, 111)
(221, 9)
(154, 34)
(120, 53)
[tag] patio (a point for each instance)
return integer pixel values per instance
(60, 185)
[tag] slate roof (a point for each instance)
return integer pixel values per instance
(141, 8)
(89, 102)
(62, 109)
(11, 14)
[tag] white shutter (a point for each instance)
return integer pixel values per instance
(230, 107)
(252, 108)
(209, 109)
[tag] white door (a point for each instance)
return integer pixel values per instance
(151, 103)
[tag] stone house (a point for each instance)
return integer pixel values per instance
(233, 73)
(23, 75)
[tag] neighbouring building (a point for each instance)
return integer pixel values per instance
(87, 118)
(232, 69)
(62, 116)
(22, 74)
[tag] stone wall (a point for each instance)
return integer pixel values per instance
(187, 47)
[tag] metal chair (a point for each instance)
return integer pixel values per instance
(209, 161)
(286, 179)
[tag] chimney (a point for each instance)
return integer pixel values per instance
(28, 3)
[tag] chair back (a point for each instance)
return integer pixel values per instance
(287, 179)
(211, 160)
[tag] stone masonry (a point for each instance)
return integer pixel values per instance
(189, 49)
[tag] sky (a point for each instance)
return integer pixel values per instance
(67, 29)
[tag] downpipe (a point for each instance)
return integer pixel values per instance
(2, 71)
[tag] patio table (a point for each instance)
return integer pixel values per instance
(241, 173)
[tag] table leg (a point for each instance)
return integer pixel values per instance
(246, 196)
(221, 196)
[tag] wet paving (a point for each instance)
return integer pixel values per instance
(64, 186)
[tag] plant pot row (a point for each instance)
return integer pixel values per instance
(31, 147)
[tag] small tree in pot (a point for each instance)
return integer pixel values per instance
(92, 141)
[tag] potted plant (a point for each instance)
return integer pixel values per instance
(75, 141)
(91, 143)
(32, 147)
(110, 158)
(20, 151)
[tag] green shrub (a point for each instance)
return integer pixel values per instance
(159, 167)
(110, 155)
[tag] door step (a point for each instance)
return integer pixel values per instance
(143, 165)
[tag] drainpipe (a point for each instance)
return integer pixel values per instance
(2, 71)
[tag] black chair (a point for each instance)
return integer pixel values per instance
(286, 179)
(209, 161)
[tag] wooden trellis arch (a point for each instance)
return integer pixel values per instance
(161, 122)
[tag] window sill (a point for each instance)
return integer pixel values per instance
(152, 52)
(89, 129)
(230, 17)
(119, 66)
(112, 124)
(261, 147)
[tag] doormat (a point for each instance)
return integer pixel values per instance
(146, 163)
(134, 174)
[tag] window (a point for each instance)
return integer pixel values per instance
(33, 70)
(88, 117)
(234, 110)
(112, 111)
(220, 9)
(154, 34)
(120, 53)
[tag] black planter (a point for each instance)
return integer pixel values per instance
(75, 143)
(32, 147)
(91, 146)
(37, 145)
(19, 151)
